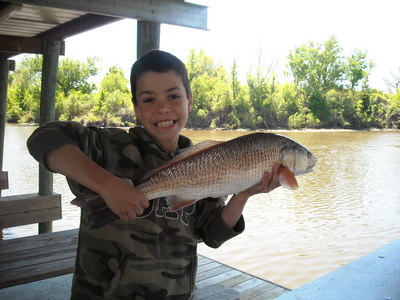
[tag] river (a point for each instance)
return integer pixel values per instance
(348, 207)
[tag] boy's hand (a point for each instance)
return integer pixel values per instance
(124, 199)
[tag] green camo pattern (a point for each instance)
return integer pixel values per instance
(151, 257)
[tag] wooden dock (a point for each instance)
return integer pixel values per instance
(247, 286)
(40, 267)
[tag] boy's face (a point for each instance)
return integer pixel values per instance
(162, 106)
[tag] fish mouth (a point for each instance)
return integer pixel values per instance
(310, 169)
(165, 123)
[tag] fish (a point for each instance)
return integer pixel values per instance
(214, 169)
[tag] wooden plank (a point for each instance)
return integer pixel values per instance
(216, 292)
(161, 11)
(33, 258)
(28, 209)
(247, 285)
(37, 241)
(207, 267)
(25, 254)
(30, 217)
(274, 293)
(218, 279)
(213, 272)
(18, 45)
(36, 272)
(3, 180)
(257, 290)
(236, 280)
(203, 260)
(38, 260)
(27, 202)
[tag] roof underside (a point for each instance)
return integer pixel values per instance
(30, 21)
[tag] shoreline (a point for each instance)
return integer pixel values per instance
(248, 130)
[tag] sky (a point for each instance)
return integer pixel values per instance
(244, 31)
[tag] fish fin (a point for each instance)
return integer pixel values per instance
(287, 178)
(175, 203)
(98, 213)
(189, 152)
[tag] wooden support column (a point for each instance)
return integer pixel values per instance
(4, 67)
(51, 52)
(148, 37)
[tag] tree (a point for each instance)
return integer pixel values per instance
(25, 85)
(210, 88)
(114, 105)
(24, 90)
(358, 69)
(75, 75)
(318, 69)
(261, 87)
(394, 83)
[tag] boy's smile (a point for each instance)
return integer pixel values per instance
(162, 106)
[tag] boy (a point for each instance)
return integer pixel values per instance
(150, 253)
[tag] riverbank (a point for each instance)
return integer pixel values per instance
(262, 130)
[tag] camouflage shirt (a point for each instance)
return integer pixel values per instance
(153, 256)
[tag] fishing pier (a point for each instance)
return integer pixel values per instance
(41, 266)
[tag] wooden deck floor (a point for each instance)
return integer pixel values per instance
(215, 281)
(30, 268)
(211, 273)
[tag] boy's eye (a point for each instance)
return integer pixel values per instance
(174, 97)
(147, 100)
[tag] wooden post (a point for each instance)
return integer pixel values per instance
(51, 51)
(4, 67)
(148, 37)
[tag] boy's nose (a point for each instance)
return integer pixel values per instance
(163, 107)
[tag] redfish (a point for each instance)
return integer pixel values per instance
(213, 169)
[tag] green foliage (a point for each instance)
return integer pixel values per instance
(210, 89)
(318, 69)
(74, 75)
(328, 90)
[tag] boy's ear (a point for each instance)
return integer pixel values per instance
(190, 106)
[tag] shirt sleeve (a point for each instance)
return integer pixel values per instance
(211, 227)
(53, 135)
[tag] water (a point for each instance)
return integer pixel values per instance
(348, 207)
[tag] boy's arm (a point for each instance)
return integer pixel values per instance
(120, 195)
(233, 210)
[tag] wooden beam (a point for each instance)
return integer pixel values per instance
(76, 26)
(28, 209)
(148, 37)
(47, 112)
(4, 68)
(18, 45)
(161, 11)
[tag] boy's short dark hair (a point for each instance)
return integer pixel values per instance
(160, 62)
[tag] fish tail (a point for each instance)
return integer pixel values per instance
(97, 211)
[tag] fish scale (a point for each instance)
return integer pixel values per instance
(213, 169)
